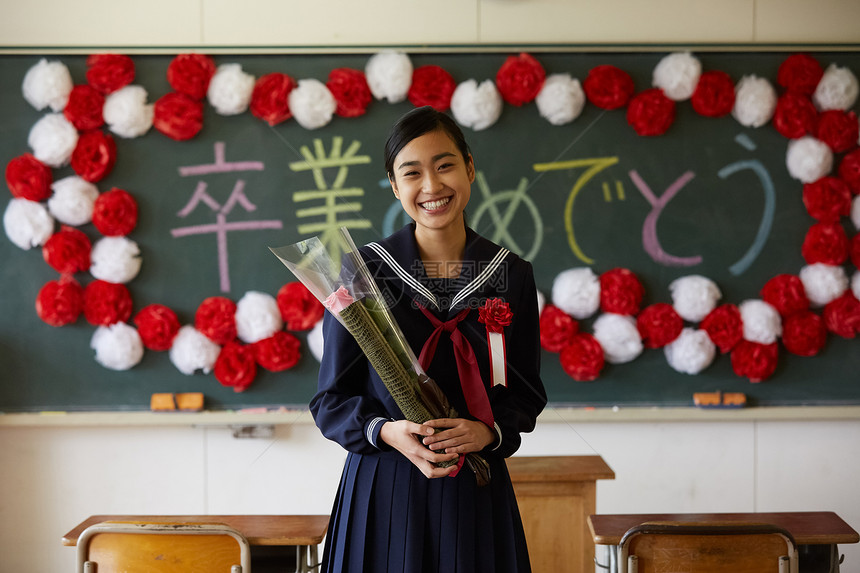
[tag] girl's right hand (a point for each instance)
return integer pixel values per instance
(404, 436)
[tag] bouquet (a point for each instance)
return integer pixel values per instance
(347, 290)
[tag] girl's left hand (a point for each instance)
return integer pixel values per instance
(458, 436)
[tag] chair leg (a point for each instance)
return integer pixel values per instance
(632, 564)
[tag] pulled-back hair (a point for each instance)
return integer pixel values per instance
(416, 123)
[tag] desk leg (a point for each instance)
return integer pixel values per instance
(610, 563)
(307, 559)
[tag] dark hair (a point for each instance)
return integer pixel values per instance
(416, 123)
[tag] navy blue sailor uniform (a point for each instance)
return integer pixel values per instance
(387, 515)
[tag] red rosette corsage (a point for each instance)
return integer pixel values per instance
(68, 250)
(299, 308)
(659, 324)
(714, 95)
(838, 129)
(724, 326)
(216, 318)
(795, 115)
(620, 292)
(556, 328)
(28, 178)
(178, 116)
(786, 294)
(799, 73)
(60, 302)
(520, 79)
(854, 250)
(650, 112)
(582, 359)
(825, 243)
(84, 108)
(157, 326)
(495, 314)
(608, 87)
(433, 86)
(350, 90)
(754, 360)
(803, 333)
(827, 199)
(270, 99)
(849, 170)
(190, 74)
(115, 213)
(842, 315)
(279, 352)
(109, 72)
(235, 366)
(106, 303)
(94, 155)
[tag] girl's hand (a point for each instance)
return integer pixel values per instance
(404, 437)
(459, 436)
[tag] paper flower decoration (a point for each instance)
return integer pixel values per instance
(47, 84)
(754, 360)
(823, 283)
(178, 116)
(694, 296)
(619, 337)
(799, 73)
(216, 319)
(691, 352)
(312, 104)
(109, 72)
(827, 199)
(786, 294)
(106, 303)
(825, 243)
(257, 317)
(714, 95)
(808, 159)
(53, 139)
(849, 170)
(126, 112)
(520, 79)
(190, 74)
(724, 327)
(433, 86)
(761, 321)
(28, 178)
(556, 328)
(795, 115)
(854, 250)
(60, 302)
(650, 112)
(855, 212)
(755, 101)
(94, 156)
(476, 106)
(389, 75)
(115, 213)
(68, 251)
(621, 292)
(837, 89)
(659, 324)
(269, 98)
(115, 259)
(192, 351)
(315, 341)
(855, 284)
(299, 309)
(842, 315)
(582, 359)
(118, 346)
(235, 366)
(157, 326)
(84, 108)
(838, 129)
(27, 223)
(561, 99)
(230, 89)
(279, 352)
(350, 90)
(803, 333)
(677, 75)
(577, 292)
(608, 87)
(73, 200)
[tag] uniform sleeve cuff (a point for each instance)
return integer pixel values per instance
(498, 437)
(371, 432)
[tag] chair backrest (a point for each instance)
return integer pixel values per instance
(134, 547)
(707, 547)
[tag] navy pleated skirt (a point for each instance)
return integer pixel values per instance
(388, 516)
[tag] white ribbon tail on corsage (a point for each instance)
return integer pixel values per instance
(498, 362)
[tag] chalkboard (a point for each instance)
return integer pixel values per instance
(715, 216)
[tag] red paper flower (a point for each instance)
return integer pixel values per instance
(269, 101)
(800, 73)
(608, 87)
(157, 326)
(216, 318)
(714, 95)
(278, 352)
(842, 315)
(838, 129)
(827, 199)
(556, 328)
(519, 79)
(433, 86)
(849, 170)
(60, 302)
(84, 108)
(803, 333)
(795, 115)
(189, 74)
(115, 213)
(659, 324)
(582, 359)
(299, 308)
(109, 72)
(68, 250)
(724, 326)
(94, 155)
(754, 360)
(235, 366)
(106, 303)
(854, 250)
(786, 294)
(495, 314)
(178, 116)
(350, 90)
(650, 112)
(620, 292)
(28, 178)
(825, 243)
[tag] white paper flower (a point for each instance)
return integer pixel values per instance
(694, 296)
(312, 104)
(27, 223)
(389, 75)
(315, 340)
(561, 99)
(47, 84)
(230, 89)
(691, 352)
(619, 337)
(192, 350)
(855, 212)
(761, 321)
(53, 139)
(257, 317)
(855, 284)
(115, 259)
(677, 75)
(72, 201)
(117, 346)
(823, 283)
(577, 292)
(837, 89)
(126, 112)
(541, 301)
(755, 101)
(476, 106)
(808, 159)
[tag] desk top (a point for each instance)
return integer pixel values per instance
(257, 529)
(807, 527)
(558, 468)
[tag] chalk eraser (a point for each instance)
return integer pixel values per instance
(163, 402)
(707, 399)
(190, 401)
(734, 399)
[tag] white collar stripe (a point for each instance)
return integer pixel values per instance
(483, 277)
(401, 272)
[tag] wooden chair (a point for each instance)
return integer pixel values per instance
(707, 547)
(135, 547)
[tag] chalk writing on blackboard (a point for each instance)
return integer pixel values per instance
(502, 221)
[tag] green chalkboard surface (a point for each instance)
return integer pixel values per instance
(562, 196)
